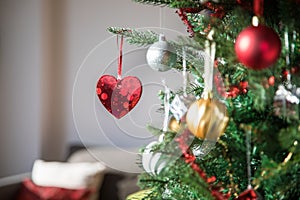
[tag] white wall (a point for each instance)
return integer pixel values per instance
(88, 39)
(43, 44)
(20, 68)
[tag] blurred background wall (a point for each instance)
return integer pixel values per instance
(43, 44)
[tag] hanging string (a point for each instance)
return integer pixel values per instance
(210, 50)
(287, 58)
(161, 19)
(286, 43)
(248, 155)
(167, 107)
(120, 60)
(293, 43)
(258, 7)
(184, 72)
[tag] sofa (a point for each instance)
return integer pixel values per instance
(115, 184)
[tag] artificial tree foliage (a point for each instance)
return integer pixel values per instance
(275, 152)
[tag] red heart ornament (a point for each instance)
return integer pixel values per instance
(119, 96)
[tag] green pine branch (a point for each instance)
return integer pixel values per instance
(227, 4)
(171, 3)
(275, 153)
(155, 2)
(287, 10)
(139, 38)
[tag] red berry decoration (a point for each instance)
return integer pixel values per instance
(119, 96)
(271, 80)
(258, 47)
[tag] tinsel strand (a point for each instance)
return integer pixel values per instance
(182, 14)
(190, 159)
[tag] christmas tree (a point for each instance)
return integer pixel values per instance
(246, 144)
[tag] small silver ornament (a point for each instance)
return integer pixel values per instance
(161, 56)
(286, 104)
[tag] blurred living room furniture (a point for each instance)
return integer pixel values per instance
(115, 184)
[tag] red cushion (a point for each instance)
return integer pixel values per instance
(30, 191)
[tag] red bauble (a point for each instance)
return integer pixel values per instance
(119, 96)
(248, 194)
(258, 47)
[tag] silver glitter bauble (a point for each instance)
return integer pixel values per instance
(286, 103)
(161, 56)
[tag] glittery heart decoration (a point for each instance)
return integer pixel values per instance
(119, 96)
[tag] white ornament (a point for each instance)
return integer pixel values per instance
(178, 108)
(151, 160)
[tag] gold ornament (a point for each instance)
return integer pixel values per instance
(174, 125)
(207, 118)
(140, 194)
